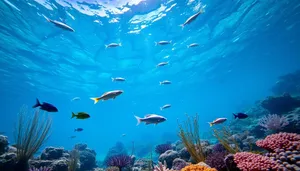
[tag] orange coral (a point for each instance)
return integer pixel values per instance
(195, 167)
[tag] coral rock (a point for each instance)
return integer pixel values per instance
(52, 153)
(178, 164)
(184, 154)
(8, 161)
(3, 144)
(168, 156)
(281, 104)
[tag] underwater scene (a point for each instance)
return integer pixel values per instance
(150, 85)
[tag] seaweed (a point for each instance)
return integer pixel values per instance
(223, 137)
(30, 134)
(189, 134)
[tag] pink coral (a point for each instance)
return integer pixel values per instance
(248, 161)
(285, 141)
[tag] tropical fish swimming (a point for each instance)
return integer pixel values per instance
(108, 95)
(113, 45)
(192, 18)
(163, 42)
(193, 45)
(165, 106)
(240, 116)
(45, 106)
(80, 115)
(118, 79)
(164, 82)
(72, 136)
(78, 129)
(162, 64)
(217, 121)
(75, 98)
(60, 25)
(150, 119)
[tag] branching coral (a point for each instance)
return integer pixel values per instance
(161, 167)
(189, 135)
(223, 138)
(195, 167)
(30, 135)
(273, 122)
(74, 158)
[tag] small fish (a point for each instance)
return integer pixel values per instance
(80, 115)
(72, 136)
(123, 135)
(165, 82)
(162, 64)
(192, 18)
(166, 57)
(78, 129)
(163, 42)
(193, 45)
(108, 95)
(217, 121)
(150, 119)
(45, 106)
(165, 107)
(60, 25)
(75, 98)
(240, 116)
(118, 79)
(113, 45)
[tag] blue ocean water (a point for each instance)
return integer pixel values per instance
(244, 46)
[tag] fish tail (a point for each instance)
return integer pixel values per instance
(120, 44)
(182, 26)
(37, 103)
(235, 116)
(161, 108)
(73, 116)
(170, 41)
(112, 79)
(210, 124)
(160, 83)
(74, 130)
(187, 46)
(96, 99)
(138, 120)
(106, 46)
(155, 43)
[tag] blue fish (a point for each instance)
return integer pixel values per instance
(45, 106)
(240, 116)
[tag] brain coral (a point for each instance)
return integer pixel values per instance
(195, 167)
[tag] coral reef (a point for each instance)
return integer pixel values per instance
(3, 144)
(248, 161)
(280, 104)
(273, 122)
(216, 160)
(142, 164)
(87, 157)
(197, 167)
(178, 164)
(40, 169)
(120, 161)
(160, 149)
(230, 164)
(168, 157)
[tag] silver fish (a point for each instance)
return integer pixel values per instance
(75, 98)
(217, 121)
(118, 79)
(165, 82)
(192, 18)
(163, 42)
(162, 64)
(193, 45)
(150, 119)
(113, 45)
(108, 95)
(165, 106)
(60, 25)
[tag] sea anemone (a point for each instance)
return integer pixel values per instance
(119, 161)
(159, 149)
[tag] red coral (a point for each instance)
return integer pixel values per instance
(286, 141)
(248, 161)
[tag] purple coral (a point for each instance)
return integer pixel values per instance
(273, 122)
(119, 161)
(40, 169)
(160, 149)
(218, 148)
(216, 160)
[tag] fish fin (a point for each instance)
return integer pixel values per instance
(96, 99)
(37, 103)
(138, 120)
(182, 26)
(49, 20)
(210, 124)
(73, 115)
(112, 79)
(235, 116)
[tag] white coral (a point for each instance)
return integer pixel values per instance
(161, 167)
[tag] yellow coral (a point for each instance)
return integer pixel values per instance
(195, 167)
